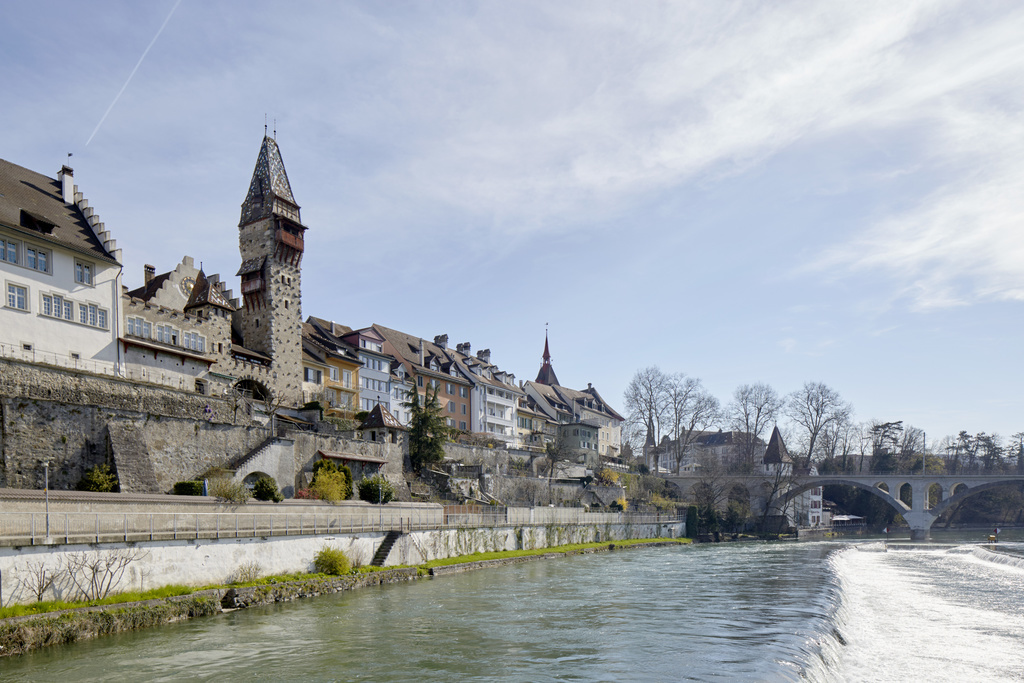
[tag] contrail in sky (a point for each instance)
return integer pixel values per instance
(137, 65)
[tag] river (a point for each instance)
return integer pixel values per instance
(951, 610)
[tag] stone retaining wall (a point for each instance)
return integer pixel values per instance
(215, 561)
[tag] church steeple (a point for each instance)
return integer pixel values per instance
(547, 373)
(270, 193)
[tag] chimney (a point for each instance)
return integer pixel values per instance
(466, 347)
(67, 184)
(441, 340)
(149, 273)
(422, 357)
(484, 355)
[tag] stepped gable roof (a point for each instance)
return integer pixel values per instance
(33, 205)
(204, 293)
(150, 289)
(269, 190)
(776, 452)
(381, 419)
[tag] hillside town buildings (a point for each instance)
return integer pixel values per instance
(185, 329)
(66, 306)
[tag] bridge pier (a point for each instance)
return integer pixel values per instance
(920, 534)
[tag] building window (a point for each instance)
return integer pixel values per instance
(346, 379)
(462, 426)
(448, 389)
(192, 340)
(463, 408)
(37, 259)
(83, 272)
(463, 392)
(47, 305)
(313, 376)
(17, 297)
(200, 387)
(334, 374)
(451, 407)
(139, 328)
(9, 251)
(419, 381)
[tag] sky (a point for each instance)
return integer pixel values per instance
(738, 191)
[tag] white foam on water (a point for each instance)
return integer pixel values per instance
(927, 615)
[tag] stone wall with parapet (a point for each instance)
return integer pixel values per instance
(22, 380)
(150, 452)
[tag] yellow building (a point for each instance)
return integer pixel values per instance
(338, 387)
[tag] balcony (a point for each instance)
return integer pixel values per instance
(253, 285)
(288, 239)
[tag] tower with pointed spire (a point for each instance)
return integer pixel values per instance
(547, 373)
(270, 240)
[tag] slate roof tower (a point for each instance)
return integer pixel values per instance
(271, 243)
(547, 373)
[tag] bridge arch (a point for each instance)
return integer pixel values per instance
(875, 489)
(960, 492)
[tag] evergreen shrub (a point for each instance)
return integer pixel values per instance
(265, 488)
(188, 488)
(376, 489)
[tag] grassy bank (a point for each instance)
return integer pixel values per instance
(561, 549)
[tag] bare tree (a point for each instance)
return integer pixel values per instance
(778, 480)
(815, 407)
(691, 410)
(646, 401)
(753, 408)
(36, 578)
(1016, 448)
(711, 490)
(95, 575)
(838, 442)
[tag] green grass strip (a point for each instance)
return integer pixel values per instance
(574, 547)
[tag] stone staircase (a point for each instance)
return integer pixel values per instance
(254, 452)
(381, 556)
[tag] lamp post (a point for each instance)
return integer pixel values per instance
(46, 496)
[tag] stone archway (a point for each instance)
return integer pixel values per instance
(253, 389)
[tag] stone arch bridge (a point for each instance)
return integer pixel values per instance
(920, 514)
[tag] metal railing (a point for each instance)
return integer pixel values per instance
(59, 360)
(40, 528)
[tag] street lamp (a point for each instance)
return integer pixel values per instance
(46, 496)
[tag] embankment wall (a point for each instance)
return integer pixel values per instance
(209, 561)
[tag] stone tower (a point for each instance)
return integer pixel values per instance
(270, 239)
